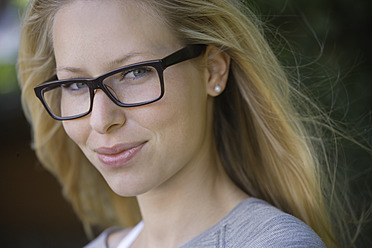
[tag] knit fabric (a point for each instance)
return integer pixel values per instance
(252, 223)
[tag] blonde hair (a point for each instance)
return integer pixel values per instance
(263, 141)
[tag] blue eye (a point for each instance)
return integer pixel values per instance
(75, 86)
(137, 73)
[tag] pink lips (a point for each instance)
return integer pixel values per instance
(118, 155)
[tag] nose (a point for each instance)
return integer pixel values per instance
(105, 115)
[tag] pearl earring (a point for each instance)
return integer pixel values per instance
(217, 89)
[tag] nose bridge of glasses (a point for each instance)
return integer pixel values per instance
(97, 84)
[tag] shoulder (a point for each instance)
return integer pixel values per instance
(255, 223)
(259, 224)
(108, 238)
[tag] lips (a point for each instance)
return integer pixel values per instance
(118, 155)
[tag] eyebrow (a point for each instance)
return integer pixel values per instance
(112, 64)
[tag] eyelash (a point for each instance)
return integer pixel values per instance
(70, 86)
(145, 70)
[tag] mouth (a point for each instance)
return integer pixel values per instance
(119, 155)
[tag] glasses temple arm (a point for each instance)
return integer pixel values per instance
(189, 52)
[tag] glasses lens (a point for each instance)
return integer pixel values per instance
(68, 99)
(134, 85)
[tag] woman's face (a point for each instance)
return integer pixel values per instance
(142, 148)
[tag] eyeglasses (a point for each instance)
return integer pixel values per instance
(129, 86)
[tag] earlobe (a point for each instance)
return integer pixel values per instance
(218, 64)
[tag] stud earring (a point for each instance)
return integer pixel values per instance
(217, 89)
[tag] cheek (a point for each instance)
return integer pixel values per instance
(180, 119)
(76, 130)
(185, 96)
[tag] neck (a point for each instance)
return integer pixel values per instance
(187, 204)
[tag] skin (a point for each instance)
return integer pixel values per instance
(177, 177)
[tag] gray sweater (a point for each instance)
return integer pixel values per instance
(252, 223)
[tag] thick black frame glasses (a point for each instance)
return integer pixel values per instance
(54, 85)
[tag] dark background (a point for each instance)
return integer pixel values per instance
(331, 40)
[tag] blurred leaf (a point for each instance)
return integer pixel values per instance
(8, 78)
(20, 3)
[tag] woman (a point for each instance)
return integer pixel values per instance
(181, 108)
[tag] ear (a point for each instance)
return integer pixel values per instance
(218, 65)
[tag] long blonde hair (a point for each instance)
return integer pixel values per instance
(265, 144)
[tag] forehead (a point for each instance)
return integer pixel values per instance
(98, 31)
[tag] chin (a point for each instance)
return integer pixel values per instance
(128, 189)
